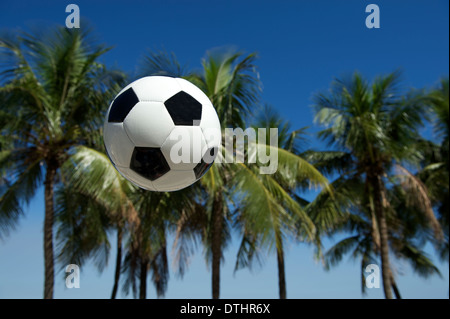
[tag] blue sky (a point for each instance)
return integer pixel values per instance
(302, 46)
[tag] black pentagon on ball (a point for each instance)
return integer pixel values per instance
(201, 168)
(149, 162)
(184, 109)
(122, 105)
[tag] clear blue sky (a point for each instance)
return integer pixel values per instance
(302, 45)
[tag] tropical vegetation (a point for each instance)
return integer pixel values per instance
(382, 185)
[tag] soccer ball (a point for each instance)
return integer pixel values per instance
(162, 133)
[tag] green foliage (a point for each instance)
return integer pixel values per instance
(53, 92)
(374, 129)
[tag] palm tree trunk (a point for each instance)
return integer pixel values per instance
(395, 287)
(216, 246)
(281, 269)
(48, 231)
(118, 262)
(375, 231)
(143, 279)
(396, 291)
(384, 242)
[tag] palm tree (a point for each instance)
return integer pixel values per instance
(435, 167)
(231, 82)
(375, 130)
(146, 248)
(96, 198)
(93, 199)
(361, 242)
(51, 94)
(270, 209)
(147, 244)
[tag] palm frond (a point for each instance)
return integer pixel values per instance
(419, 260)
(417, 196)
(335, 254)
(82, 226)
(162, 63)
(19, 186)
